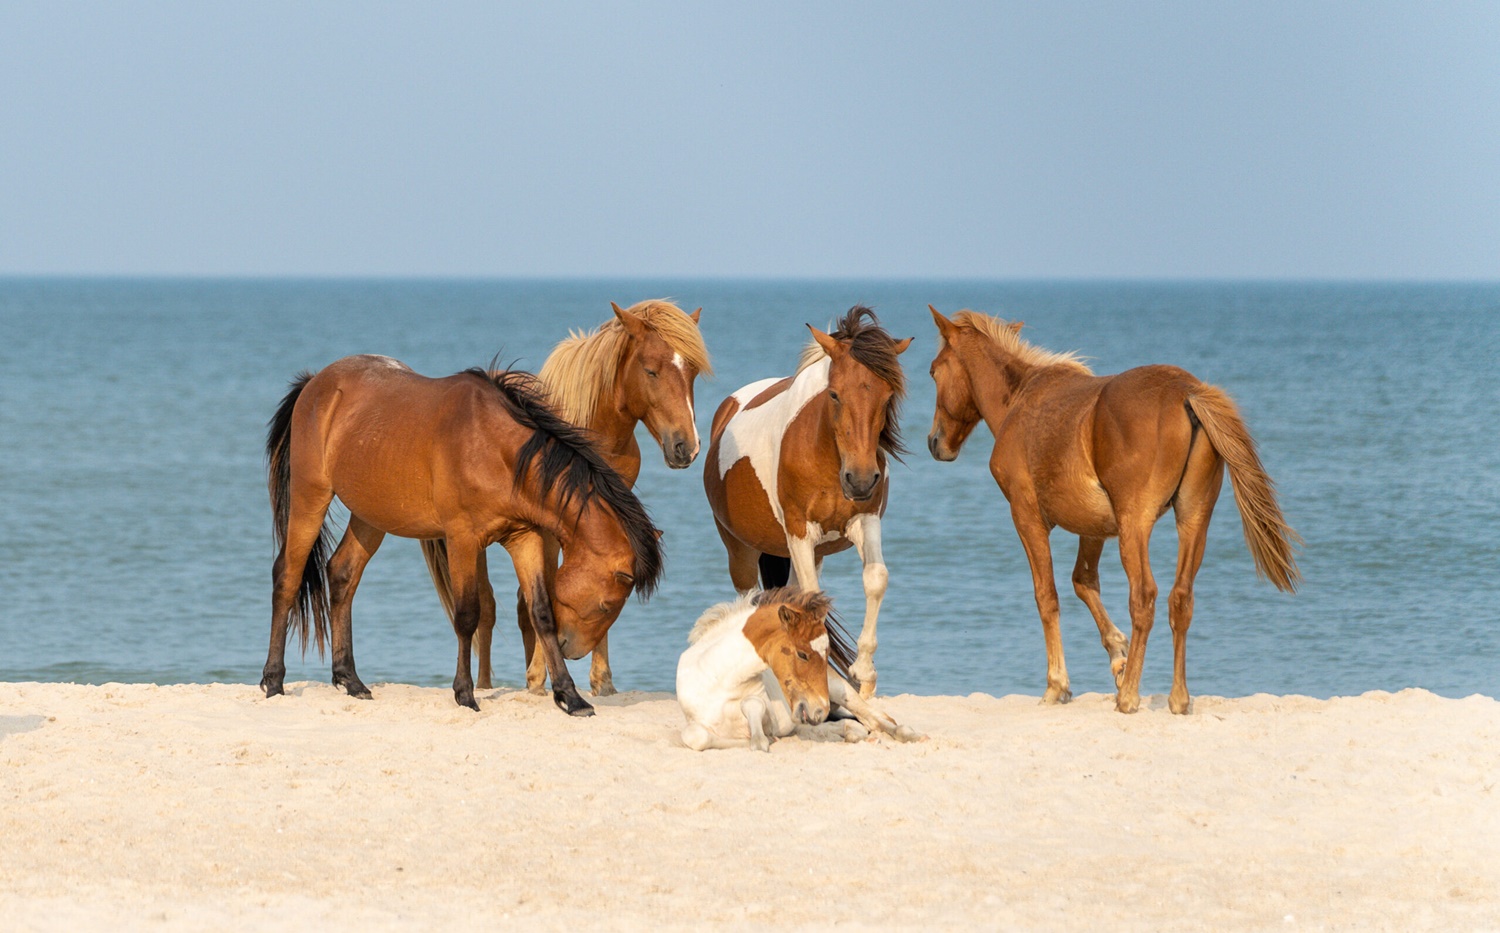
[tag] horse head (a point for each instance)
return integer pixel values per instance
(607, 556)
(956, 412)
(659, 363)
(865, 388)
(789, 634)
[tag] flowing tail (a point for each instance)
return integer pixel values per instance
(1270, 539)
(435, 552)
(311, 605)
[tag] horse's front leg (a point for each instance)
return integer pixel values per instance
(466, 574)
(527, 553)
(864, 531)
(754, 709)
(1034, 532)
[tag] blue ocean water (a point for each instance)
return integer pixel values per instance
(135, 536)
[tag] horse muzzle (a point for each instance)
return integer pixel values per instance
(809, 714)
(859, 488)
(679, 451)
(938, 451)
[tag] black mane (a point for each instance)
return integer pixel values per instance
(875, 349)
(566, 456)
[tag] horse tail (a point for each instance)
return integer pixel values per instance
(311, 604)
(435, 551)
(1270, 539)
(841, 652)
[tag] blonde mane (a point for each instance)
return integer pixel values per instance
(584, 364)
(713, 616)
(1005, 335)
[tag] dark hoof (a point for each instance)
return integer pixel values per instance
(354, 686)
(466, 700)
(572, 704)
(273, 687)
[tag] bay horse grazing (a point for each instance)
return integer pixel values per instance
(758, 666)
(796, 467)
(473, 459)
(640, 366)
(1103, 457)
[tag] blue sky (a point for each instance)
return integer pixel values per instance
(1057, 140)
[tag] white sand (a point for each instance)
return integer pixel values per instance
(197, 807)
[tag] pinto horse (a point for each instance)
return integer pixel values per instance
(743, 654)
(639, 366)
(472, 459)
(1104, 457)
(796, 467)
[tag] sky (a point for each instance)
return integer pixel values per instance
(1264, 140)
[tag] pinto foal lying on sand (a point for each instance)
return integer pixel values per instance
(758, 666)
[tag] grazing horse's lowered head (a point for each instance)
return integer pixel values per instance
(865, 389)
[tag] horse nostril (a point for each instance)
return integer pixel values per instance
(874, 478)
(932, 443)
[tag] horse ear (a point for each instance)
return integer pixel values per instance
(828, 344)
(901, 345)
(944, 326)
(695, 314)
(1015, 326)
(788, 616)
(633, 324)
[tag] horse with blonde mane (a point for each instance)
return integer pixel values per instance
(472, 459)
(1104, 457)
(640, 366)
(796, 467)
(757, 667)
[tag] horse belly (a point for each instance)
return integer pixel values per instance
(744, 509)
(1082, 508)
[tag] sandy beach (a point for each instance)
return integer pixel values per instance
(199, 806)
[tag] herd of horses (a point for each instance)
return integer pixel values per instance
(796, 468)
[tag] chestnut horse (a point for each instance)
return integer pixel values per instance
(638, 366)
(473, 459)
(1104, 457)
(796, 467)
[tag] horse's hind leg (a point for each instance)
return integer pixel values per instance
(304, 526)
(1135, 555)
(345, 568)
(744, 566)
(466, 570)
(1086, 585)
(1194, 507)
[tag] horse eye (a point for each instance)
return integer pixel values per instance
(624, 578)
(802, 655)
(651, 373)
(833, 395)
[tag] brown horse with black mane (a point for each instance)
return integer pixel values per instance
(1101, 457)
(639, 366)
(472, 459)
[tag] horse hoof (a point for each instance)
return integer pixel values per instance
(536, 690)
(468, 701)
(606, 689)
(1180, 707)
(1127, 706)
(1057, 697)
(572, 704)
(273, 688)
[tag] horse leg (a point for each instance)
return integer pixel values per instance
(1135, 555)
(744, 561)
(466, 571)
(527, 553)
(536, 662)
(601, 679)
(345, 568)
(1086, 585)
(754, 709)
(1193, 508)
(304, 525)
(864, 531)
(804, 560)
(1034, 538)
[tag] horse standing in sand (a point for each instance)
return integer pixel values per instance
(639, 366)
(472, 459)
(758, 666)
(1104, 457)
(796, 467)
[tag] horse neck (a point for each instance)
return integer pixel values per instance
(614, 430)
(730, 657)
(996, 378)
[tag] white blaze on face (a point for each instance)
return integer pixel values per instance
(756, 433)
(820, 645)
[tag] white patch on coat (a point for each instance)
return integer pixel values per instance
(756, 432)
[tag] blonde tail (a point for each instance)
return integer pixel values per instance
(1270, 539)
(436, 553)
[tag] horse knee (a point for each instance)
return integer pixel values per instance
(1180, 608)
(695, 737)
(875, 579)
(1084, 584)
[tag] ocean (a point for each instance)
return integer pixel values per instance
(135, 534)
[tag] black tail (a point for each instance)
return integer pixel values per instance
(312, 594)
(774, 571)
(840, 645)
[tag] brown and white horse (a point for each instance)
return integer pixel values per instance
(1104, 457)
(797, 467)
(640, 366)
(472, 459)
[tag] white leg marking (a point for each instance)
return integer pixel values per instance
(864, 531)
(804, 558)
